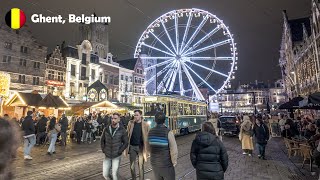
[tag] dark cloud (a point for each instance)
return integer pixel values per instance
(256, 24)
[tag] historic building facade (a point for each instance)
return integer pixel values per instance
(139, 88)
(55, 73)
(300, 53)
(23, 58)
(126, 85)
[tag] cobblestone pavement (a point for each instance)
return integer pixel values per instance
(85, 162)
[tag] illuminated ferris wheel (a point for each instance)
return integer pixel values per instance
(191, 48)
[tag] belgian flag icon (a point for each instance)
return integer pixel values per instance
(15, 18)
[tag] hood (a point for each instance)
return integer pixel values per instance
(205, 138)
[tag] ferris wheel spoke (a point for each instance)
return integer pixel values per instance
(174, 76)
(201, 78)
(162, 42)
(165, 29)
(212, 70)
(186, 31)
(146, 57)
(180, 81)
(160, 64)
(176, 24)
(165, 78)
(195, 33)
(208, 47)
(159, 73)
(203, 39)
(211, 58)
(144, 44)
(194, 86)
(170, 79)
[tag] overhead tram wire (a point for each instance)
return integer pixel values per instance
(136, 8)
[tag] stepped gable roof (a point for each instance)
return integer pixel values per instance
(296, 26)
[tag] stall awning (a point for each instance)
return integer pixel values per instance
(24, 99)
(51, 101)
(291, 104)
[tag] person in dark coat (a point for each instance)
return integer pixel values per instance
(29, 135)
(208, 155)
(64, 127)
(78, 127)
(114, 140)
(287, 133)
(261, 132)
(41, 129)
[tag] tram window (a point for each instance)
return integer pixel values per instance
(194, 110)
(180, 107)
(152, 109)
(187, 109)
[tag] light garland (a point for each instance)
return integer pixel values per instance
(4, 84)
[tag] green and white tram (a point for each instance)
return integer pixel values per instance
(183, 115)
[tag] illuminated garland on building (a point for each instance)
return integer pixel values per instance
(4, 84)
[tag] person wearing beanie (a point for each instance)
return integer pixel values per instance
(245, 136)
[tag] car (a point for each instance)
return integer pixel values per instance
(228, 125)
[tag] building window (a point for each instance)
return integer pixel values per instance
(139, 80)
(135, 80)
(121, 77)
(83, 73)
(142, 81)
(73, 70)
(22, 79)
(8, 45)
(111, 79)
(51, 75)
(23, 62)
(36, 65)
(35, 81)
(6, 59)
(93, 74)
(130, 78)
(60, 76)
(106, 78)
(24, 49)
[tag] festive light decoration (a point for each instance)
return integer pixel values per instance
(4, 84)
(197, 42)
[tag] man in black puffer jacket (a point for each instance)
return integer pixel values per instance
(208, 155)
(41, 129)
(114, 140)
(29, 135)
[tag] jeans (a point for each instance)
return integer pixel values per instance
(29, 142)
(84, 135)
(63, 138)
(78, 135)
(135, 151)
(115, 166)
(262, 149)
(52, 146)
(88, 135)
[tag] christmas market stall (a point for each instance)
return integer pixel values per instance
(51, 104)
(18, 105)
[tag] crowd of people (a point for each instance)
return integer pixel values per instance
(120, 135)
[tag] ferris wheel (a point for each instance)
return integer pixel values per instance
(189, 49)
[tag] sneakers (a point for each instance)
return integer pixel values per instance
(250, 155)
(259, 156)
(48, 153)
(244, 153)
(27, 157)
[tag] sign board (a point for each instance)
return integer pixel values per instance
(54, 83)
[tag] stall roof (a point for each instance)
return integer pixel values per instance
(53, 101)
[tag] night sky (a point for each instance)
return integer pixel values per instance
(256, 25)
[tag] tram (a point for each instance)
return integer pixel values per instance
(183, 115)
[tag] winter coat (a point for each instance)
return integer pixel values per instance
(145, 130)
(78, 126)
(113, 145)
(28, 126)
(261, 133)
(209, 156)
(89, 127)
(42, 124)
(246, 134)
(64, 124)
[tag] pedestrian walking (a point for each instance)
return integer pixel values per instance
(245, 136)
(208, 155)
(163, 150)
(64, 127)
(9, 143)
(138, 143)
(78, 127)
(114, 141)
(53, 129)
(261, 133)
(29, 135)
(41, 129)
